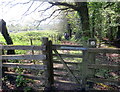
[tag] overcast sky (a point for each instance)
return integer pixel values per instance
(14, 13)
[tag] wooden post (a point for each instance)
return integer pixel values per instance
(91, 60)
(84, 69)
(31, 43)
(0, 67)
(48, 62)
(91, 56)
(88, 58)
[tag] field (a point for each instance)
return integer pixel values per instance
(23, 38)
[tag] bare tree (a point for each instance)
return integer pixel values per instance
(80, 7)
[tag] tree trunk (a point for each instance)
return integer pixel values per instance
(6, 36)
(69, 30)
(93, 24)
(82, 10)
(118, 33)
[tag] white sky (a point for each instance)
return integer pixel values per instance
(12, 13)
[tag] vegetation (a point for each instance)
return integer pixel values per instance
(103, 19)
(100, 21)
(23, 38)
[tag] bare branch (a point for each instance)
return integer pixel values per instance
(12, 5)
(64, 4)
(29, 7)
(50, 15)
(59, 13)
(46, 8)
(33, 10)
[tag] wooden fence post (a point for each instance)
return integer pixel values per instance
(48, 62)
(92, 43)
(0, 67)
(84, 69)
(31, 43)
(88, 58)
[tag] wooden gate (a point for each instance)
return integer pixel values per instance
(87, 64)
(77, 64)
(44, 62)
(68, 60)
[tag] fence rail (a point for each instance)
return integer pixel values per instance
(105, 66)
(22, 47)
(25, 75)
(104, 50)
(88, 62)
(28, 66)
(42, 57)
(69, 55)
(103, 80)
(87, 66)
(68, 47)
(24, 57)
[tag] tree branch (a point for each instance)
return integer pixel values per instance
(12, 5)
(50, 15)
(45, 10)
(64, 4)
(66, 9)
(29, 7)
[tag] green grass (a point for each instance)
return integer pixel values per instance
(23, 38)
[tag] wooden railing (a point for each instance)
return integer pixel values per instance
(91, 65)
(45, 57)
(87, 66)
(60, 60)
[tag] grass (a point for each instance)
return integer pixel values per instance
(23, 38)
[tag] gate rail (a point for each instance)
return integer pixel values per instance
(88, 65)
(45, 57)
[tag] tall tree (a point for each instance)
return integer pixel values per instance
(82, 10)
